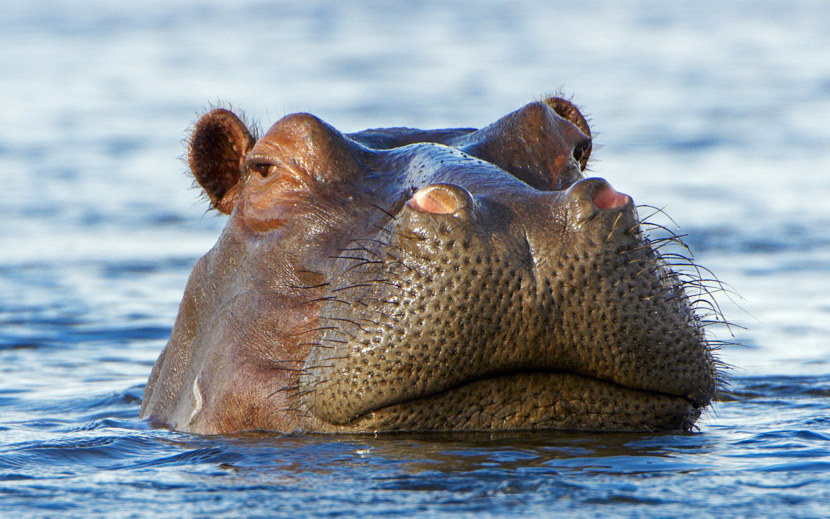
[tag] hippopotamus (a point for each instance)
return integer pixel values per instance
(400, 279)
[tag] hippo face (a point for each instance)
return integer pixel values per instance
(401, 279)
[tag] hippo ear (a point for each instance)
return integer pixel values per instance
(566, 110)
(218, 147)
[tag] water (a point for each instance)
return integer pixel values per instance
(715, 111)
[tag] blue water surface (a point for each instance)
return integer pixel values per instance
(716, 112)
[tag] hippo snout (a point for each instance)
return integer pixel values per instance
(402, 279)
(443, 307)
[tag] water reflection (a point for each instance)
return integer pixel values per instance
(414, 454)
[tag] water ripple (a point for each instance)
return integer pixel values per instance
(719, 118)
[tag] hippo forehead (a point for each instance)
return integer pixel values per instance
(302, 166)
(403, 279)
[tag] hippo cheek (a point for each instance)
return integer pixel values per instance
(268, 202)
(450, 324)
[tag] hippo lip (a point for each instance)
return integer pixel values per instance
(560, 400)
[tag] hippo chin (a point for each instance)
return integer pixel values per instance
(411, 280)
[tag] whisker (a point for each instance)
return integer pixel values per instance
(320, 300)
(613, 228)
(285, 388)
(657, 210)
(384, 211)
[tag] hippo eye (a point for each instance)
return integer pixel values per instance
(264, 169)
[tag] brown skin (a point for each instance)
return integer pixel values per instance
(400, 279)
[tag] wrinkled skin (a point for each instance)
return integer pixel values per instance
(400, 279)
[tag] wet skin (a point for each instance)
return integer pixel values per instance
(400, 279)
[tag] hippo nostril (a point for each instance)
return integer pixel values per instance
(594, 197)
(606, 197)
(441, 199)
(433, 201)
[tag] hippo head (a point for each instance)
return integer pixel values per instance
(410, 280)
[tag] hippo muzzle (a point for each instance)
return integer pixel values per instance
(426, 280)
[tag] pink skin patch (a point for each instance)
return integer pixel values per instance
(433, 200)
(607, 198)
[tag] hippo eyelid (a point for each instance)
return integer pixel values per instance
(264, 166)
(263, 169)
